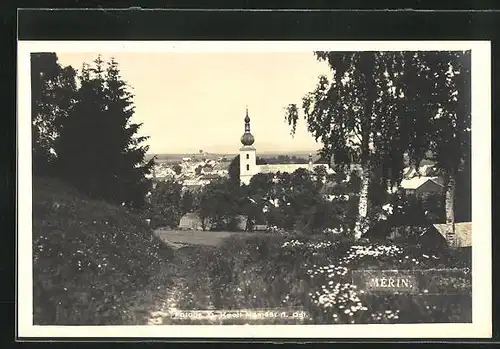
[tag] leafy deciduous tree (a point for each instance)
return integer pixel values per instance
(177, 169)
(219, 204)
(351, 117)
(53, 91)
(380, 106)
(166, 201)
(450, 139)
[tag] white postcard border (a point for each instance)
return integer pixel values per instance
(481, 197)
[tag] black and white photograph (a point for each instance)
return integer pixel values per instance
(296, 189)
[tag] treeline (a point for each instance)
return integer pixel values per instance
(288, 201)
(284, 159)
(83, 132)
(304, 202)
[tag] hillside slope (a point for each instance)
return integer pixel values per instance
(94, 263)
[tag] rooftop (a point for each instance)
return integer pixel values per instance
(416, 182)
(463, 233)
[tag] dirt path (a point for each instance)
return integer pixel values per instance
(176, 295)
(172, 293)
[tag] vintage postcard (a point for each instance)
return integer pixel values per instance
(283, 189)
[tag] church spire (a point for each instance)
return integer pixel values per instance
(247, 138)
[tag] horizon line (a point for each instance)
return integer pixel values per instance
(233, 152)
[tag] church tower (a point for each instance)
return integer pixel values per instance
(248, 160)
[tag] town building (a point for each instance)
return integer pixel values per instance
(422, 186)
(192, 221)
(248, 159)
(427, 170)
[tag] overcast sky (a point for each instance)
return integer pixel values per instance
(193, 101)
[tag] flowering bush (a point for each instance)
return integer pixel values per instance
(333, 231)
(315, 274)
(340, 301)
(276, 230)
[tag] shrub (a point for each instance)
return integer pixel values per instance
(337, 300)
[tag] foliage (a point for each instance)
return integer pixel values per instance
(177, 169)
(189, 201)
(233, 171)
(319, 174)
(379, 106)
(219, 205)
(166, 202)
(450, 141)
(351, 114)
(433, 207)
(53, 91)
(406, 211)
(285, 159)
(106, 267)
(315, 274)
(289, 201)
(96, 147)
(449, 108)
(339, 301)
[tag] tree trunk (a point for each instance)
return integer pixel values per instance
(362, 221)
(450, 210)
(367, 65)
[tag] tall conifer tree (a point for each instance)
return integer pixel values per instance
(128, 167)
(99, 151)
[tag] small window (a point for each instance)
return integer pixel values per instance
(248, 156)
(248, 167)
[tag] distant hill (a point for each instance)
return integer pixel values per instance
(177, 157)
(264, 154)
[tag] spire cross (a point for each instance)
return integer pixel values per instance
(247, 121)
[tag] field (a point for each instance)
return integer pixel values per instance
(181, 238)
